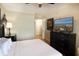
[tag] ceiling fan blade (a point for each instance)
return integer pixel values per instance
(51, 3)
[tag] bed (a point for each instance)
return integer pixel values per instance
(34, 47)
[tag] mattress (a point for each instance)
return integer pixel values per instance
(34, 47)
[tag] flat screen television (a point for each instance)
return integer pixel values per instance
(64, 24)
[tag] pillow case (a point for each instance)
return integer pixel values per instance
(6, 44)
(1, 53)
(2, 41)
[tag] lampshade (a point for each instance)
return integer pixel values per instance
(9, 25)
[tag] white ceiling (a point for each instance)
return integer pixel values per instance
(31, 8)
(34, 9)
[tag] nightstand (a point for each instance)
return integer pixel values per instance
(13, 37)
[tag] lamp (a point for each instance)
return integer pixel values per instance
(9, 26)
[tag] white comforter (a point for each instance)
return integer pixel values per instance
(34, 47)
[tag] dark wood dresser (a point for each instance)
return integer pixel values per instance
(63, 42)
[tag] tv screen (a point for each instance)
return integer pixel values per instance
(64, 24)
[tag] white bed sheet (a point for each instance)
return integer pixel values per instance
(34, 47)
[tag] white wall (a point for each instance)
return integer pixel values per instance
(23, 24)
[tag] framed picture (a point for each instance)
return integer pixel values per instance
(64, 24)
(50, 23)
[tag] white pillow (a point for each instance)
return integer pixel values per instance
(6, 45)
(0, 38)
(1, 43)
(1, 53)
(9, 43)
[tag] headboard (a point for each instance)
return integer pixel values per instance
(3, 20)
(2, 30)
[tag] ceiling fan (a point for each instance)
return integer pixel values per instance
(40, 4)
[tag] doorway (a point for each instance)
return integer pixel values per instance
(39, 29)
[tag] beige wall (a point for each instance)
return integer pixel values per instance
(23, 24)
(66, 11)
(3, 10)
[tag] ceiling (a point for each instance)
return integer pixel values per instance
(34, 9)
(31, 8)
